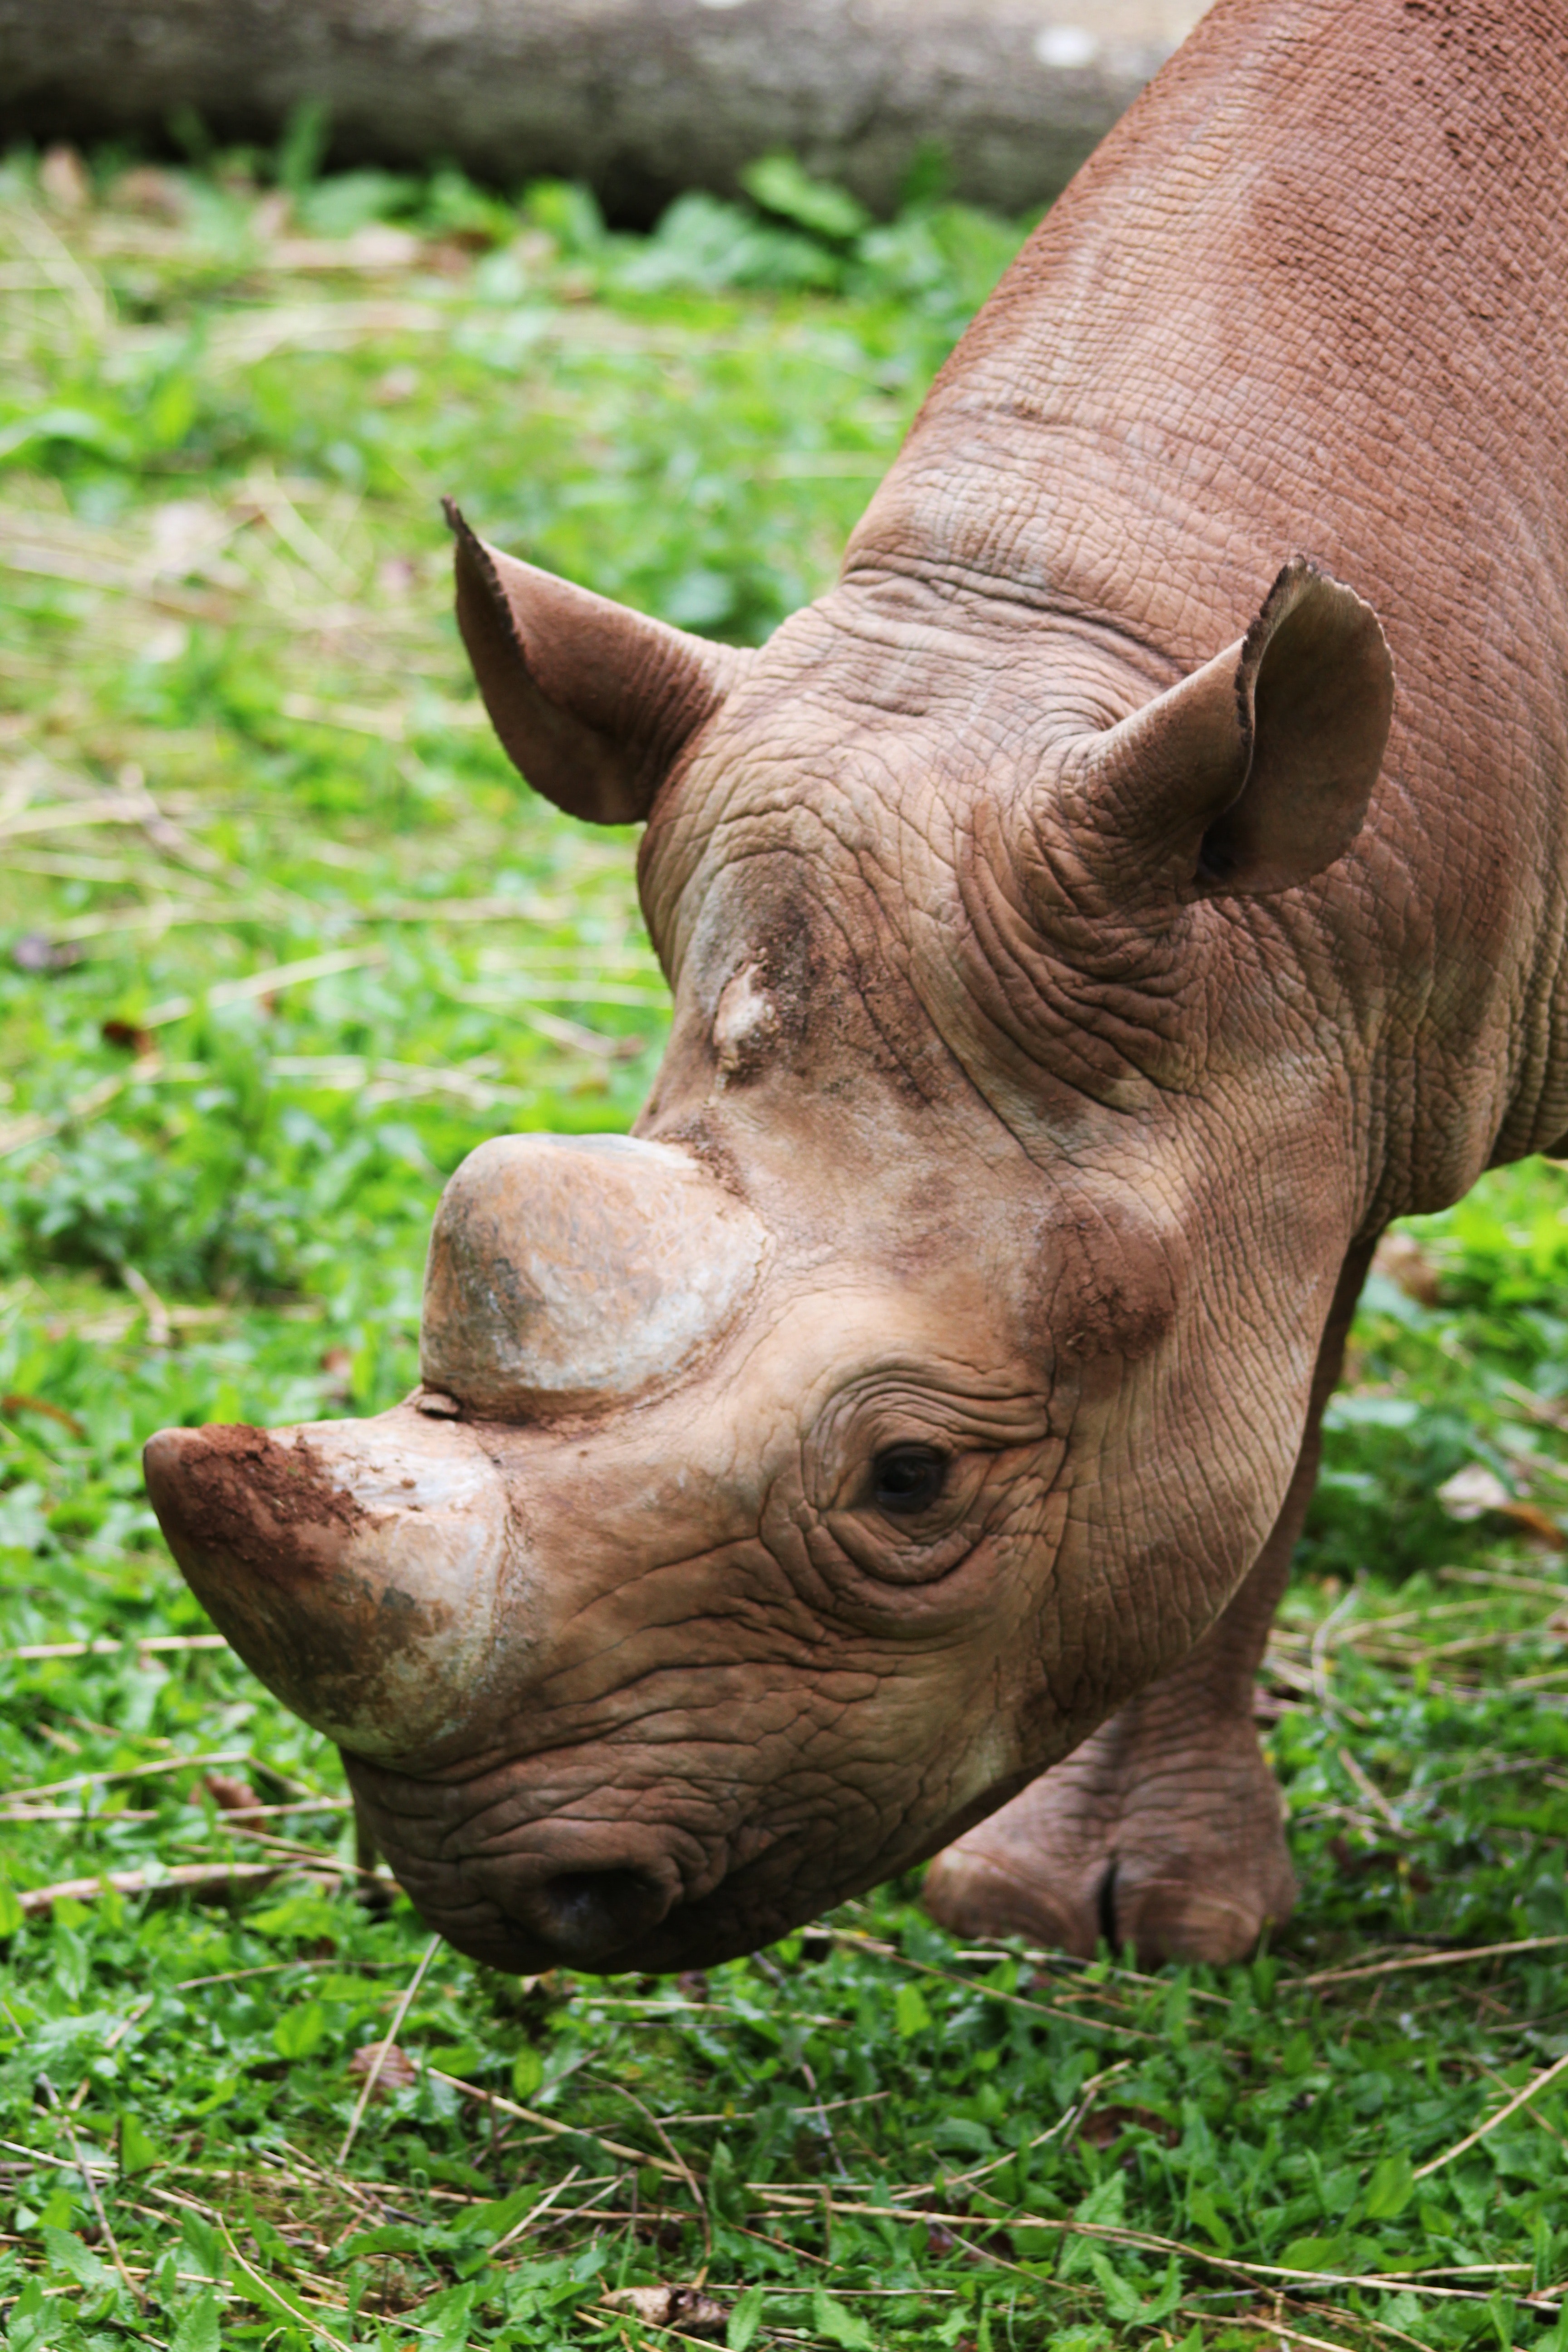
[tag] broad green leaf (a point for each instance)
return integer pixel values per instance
(745, 2319)
(299, 2033)
(527, 2074)
(11, 1912)
(1106, 2203)
(68, 2252)
(910, 2014)
(204, 2251)
(779, 184)
(137, 2152)
(1390, 2187)
(63, 424)
(962, 2132)
(485, 2223)
(1122, 2300)
(1166, 2295)
(281, 2300)
(1202, 2211)
(726, 2192)
(839, 2324)
(223, 2091)
(387, 2238)
(33, 2320)
(59, 2209)
(1316, 2254)
(458, 2058)
(443, 2320)
(198, 2327)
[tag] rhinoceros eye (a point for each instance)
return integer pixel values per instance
(909, 1479)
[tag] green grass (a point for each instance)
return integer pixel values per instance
(238, 735)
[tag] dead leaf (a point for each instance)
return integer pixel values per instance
(685, 2307)
(157, 195)
(449, 258)
(229, 1795)
(34, 952)
(397, 2070)
(1103, 2125)
(1538, 1523)
(1473, 1491)
(398, 384)
(126, 1034)
(269, 218)
(1402, 1260)
(62, 176)
(18, 1401)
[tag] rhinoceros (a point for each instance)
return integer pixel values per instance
(1141, 878)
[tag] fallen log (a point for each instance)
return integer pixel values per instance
(639, 97)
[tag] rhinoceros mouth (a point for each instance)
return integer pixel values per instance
(612, 1923)
(610, 1895)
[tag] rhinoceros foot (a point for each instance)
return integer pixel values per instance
(1179, 1850)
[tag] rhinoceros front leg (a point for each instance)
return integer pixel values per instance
(1165, 1828)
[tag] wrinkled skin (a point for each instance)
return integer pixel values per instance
(1080, 949)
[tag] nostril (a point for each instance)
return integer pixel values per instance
(591, 1913)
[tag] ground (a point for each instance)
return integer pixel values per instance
(282, 938)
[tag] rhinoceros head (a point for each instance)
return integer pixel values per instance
(791, 1482)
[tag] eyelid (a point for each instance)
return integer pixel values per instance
(913, 1552)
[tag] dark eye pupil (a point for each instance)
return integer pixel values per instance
(909, 1478)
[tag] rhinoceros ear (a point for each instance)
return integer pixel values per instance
(1254, 773)
(592, 701)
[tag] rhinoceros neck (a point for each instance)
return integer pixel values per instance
(1308, 296)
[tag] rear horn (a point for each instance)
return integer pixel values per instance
(567, 1272)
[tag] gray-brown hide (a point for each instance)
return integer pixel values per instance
(1080, 948)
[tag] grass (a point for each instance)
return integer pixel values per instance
(283, 938)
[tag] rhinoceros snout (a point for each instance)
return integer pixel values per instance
(358, 1567)
(585, 1917)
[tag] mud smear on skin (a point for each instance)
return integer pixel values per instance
(244, 1503)
(241, 1471)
